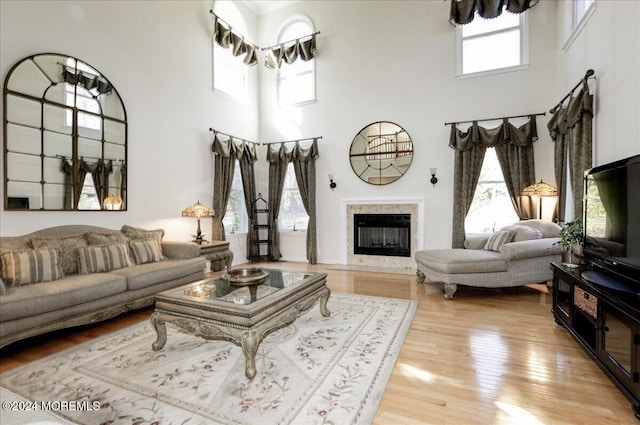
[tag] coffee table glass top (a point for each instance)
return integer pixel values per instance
(217, 289)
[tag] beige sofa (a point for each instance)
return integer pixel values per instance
(524, 259)
(77, 299)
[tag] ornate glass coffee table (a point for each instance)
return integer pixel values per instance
(244, 315)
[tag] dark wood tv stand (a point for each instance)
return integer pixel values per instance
(605, 322)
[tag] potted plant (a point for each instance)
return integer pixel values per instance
(570, 235)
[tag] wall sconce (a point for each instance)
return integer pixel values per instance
(434, 179)
(332, 184)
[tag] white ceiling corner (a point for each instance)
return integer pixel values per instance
(260, 7)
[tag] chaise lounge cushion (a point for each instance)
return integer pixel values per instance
(149, 274)
(454, 261)
(40, 298)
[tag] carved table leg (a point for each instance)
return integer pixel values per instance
(420, 277)
(449, 290)
(323, 303)
(161, 330)
(250, 342)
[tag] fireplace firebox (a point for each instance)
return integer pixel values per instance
(382, 234)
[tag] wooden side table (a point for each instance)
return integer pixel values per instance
(218, 253)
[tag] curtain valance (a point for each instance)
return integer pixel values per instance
(228, 148)
(281, 152)
(291, 51)
(506, 133)
(87, 80)
(225, 37)
(463, 11)
(566, 117)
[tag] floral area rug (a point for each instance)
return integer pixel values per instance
(319, 370)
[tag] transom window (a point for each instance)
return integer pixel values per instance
(491, 208)
(492, 44)
(293, 216)
(296, 81)
(235, 218)
(230, 74)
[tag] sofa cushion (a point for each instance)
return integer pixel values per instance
(149, 274)
(137, 234)
(548, 228)
(453, 261)
(105, 239)
(524, 233)
(495, 241)
(98, 259)
(30, 266)
(148, 251)
(68, 251)
(30, 300)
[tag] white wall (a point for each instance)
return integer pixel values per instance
(158, 56)
(609, 44)
(377, 60)
(395, 61)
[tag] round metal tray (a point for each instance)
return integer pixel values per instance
(245, 277)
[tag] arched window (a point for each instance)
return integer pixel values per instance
(296, 82)
(230, 73)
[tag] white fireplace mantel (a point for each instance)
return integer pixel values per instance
(416, 227)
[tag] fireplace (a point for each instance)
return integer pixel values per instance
(382, 234)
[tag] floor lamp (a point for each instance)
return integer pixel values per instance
(540, 190)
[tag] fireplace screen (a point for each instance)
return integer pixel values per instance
(382, 234)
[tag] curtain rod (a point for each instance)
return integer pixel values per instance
(587, 75)
(496, 119)
(289, 41)
(231, 136)
(92, 157)
(292, 141)
(229, 25)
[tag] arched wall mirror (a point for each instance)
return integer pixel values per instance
(65, 132)
(381, 153)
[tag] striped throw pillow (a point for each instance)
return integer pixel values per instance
(148, 251)
(99, 259)
(33, 266)
(498, 239)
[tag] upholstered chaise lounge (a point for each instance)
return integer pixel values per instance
(517, 255)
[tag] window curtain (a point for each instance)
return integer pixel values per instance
(304, 165)
(278, 159)
(67, 169)
(87, 80)
(463, 11)
(297, 49)
(99, 174)
(225, 37)
(224, 161)
(570, 128)
(123, 183)
(514, 148)
(246, 158)
(517, 163)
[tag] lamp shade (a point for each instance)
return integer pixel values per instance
(540, 189)
(198, 210)
(112, 202)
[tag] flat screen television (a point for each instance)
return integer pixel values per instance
(611, 242)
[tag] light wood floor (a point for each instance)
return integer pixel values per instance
(486, 357)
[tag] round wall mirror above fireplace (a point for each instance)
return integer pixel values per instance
(65, 132)
(381, 153)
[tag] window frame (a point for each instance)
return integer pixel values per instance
(490, 181)
(224, 57)
(289, 22)
(282, 226)
(242, 212)
(574, 24)
(524, 48)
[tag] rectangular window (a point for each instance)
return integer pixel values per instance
(235, 218)
(492, 44)
(491, 208)
(293, 216)
(230, 74)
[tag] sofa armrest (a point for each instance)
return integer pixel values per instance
(530, 249)
(180, 250)
(476, 241)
